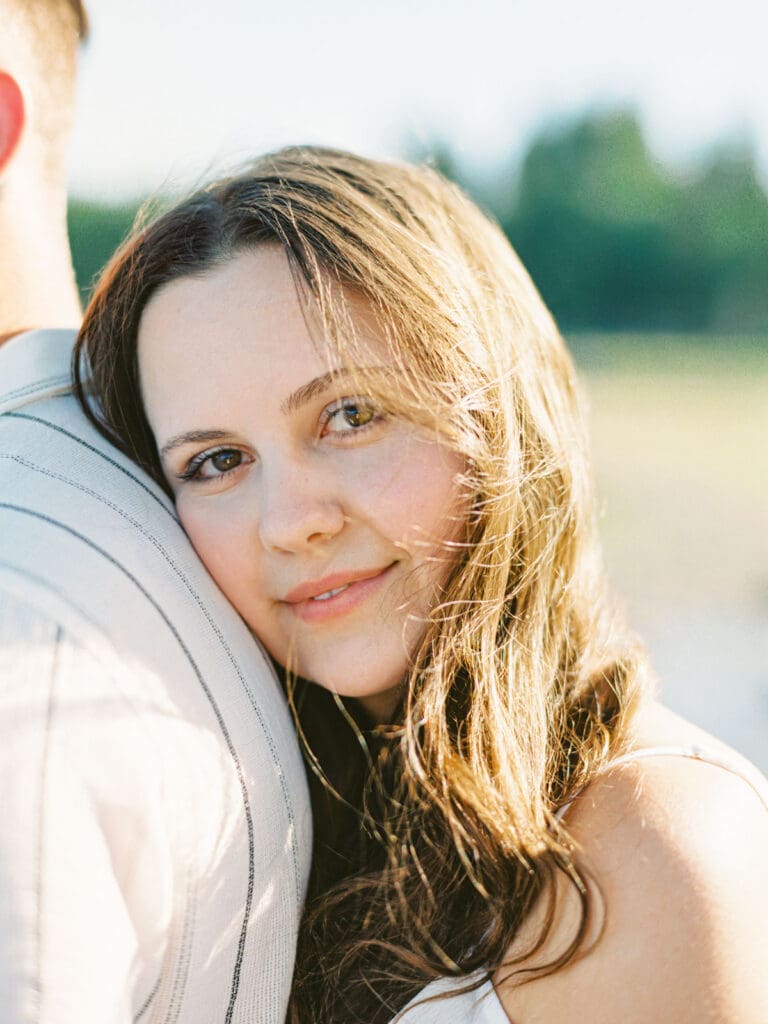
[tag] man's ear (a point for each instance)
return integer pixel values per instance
(12, 117)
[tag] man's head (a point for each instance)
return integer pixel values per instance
(39, 43)
(38, 54)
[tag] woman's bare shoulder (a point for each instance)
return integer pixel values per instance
(675, 849)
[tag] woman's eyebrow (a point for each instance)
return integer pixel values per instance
(308, 391)
(315, 387)
(191, 437)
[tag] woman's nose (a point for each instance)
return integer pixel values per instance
(298, 512)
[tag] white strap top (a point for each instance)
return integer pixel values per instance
(482, 1006)
(754, 778)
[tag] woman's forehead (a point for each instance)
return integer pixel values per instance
(242, 326)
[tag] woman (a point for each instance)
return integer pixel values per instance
(342, 375)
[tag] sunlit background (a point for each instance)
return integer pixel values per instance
(624, 150)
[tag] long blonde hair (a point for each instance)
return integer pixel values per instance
(436, 834)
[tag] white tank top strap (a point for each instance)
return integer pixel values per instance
(480, 1006)
(754, 778)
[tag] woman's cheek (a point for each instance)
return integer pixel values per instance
(217, 543)
(414, 496)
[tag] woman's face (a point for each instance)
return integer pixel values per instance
(326, 523)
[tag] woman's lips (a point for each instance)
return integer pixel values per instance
(334, 595)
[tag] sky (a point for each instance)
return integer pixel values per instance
(173, 92)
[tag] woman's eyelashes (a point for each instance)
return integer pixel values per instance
(212, 465)
(349, 416)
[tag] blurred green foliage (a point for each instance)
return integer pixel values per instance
(614, 239)
(95, 231)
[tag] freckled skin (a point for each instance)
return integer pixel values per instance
(302, 494)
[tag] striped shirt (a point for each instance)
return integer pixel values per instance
(155, 828)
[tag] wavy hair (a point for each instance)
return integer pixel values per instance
(436, 834)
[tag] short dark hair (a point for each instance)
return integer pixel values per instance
(41, 15)
(82, 18)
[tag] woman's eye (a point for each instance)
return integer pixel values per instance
(210, 465)
(350, 415)
(223, 462)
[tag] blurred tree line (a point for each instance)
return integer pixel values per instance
(613, 239)
(616, 240)
(95, 231)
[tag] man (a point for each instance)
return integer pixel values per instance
(154, 839)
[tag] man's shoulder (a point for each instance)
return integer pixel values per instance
(34, 365)
(89, 538)
(59, 478)
(75, 512)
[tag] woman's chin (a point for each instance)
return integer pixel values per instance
(378, 703)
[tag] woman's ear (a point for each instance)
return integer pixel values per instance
(12, 117)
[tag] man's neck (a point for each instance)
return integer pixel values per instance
(37, 282)
(37, 291)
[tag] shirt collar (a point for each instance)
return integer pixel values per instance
(35, 365)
